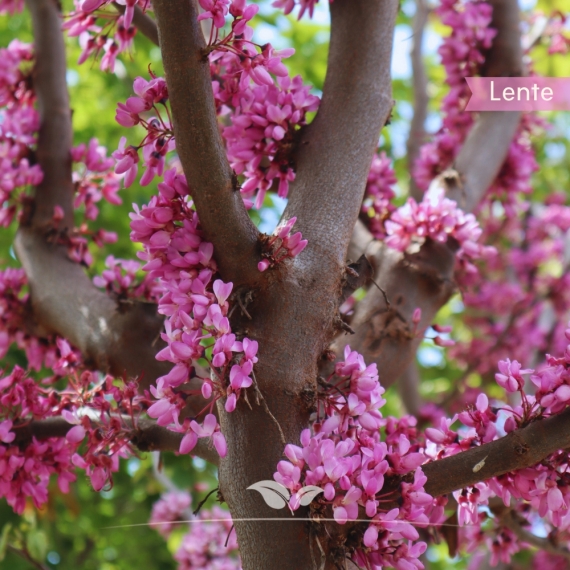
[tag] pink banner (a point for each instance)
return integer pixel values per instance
(519, 93)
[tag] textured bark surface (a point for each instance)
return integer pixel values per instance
(213, 184)
(55, 136)
(118, 338)
(385, 333)
(417, 136)
(521, 448)
(293, 312)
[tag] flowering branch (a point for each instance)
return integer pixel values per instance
(213, 184)
(510, 520)
(63, 298)
(334, 154)
(425, 279)
(385, 332)
(519, 449)
(146, 436)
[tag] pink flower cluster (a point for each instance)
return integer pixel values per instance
(11, 6)
(546, 561)
(438, 218)
(53, 353)
(210, 542)
(488, 536)
(171, 507)
(104, 417)
(514, 178)
(377, 206)
(289, 5)
(557, 33)
(517, 316)
(115, 34)
(347, 459)
(102, 414)
(25, 472)
(406, 228)
(94, 181)
(209, 545)
(265, 114)
(263, 130)
(19, 123)
(281, 245)
(121, 280)
(196, 306)
(159, 139)
(462, 56)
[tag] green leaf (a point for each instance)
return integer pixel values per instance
(4, 539)
(37, 543)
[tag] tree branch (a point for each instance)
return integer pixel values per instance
(362, 243)
(146, 436)
(385, 333)
(425, 280)
(336, 149)
(519, 449)
(55, 137)
(120, 339)
(487, 145)
(143, 22)
(112, 337)
(213, 184)
(417, 135)
(24, 553)
(509, 519)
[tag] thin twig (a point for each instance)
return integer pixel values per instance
(283, 440)
(509, 520)
(247, 399)
(201, 503)
(383, 293)
(243, 306)
(228, 537)
(26, 556)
